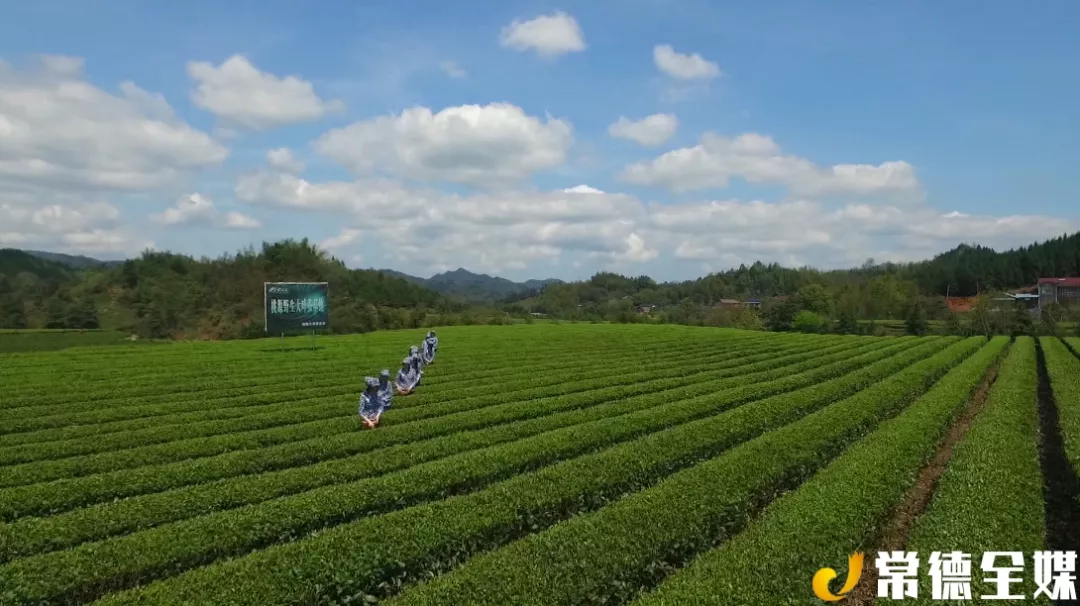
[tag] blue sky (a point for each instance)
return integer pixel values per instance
(976, 99)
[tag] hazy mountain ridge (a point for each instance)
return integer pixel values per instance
(473, 286)
(459, 282)
(72, 261)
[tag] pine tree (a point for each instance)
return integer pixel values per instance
(916, 322)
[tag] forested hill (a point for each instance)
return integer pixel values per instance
(881, 291)
(170, 295)
(74, 261)
(464, 284)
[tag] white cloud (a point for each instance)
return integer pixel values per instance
(496, 144)
(683, 67)
(190, 209)
(347, 237)
(582, 189)
(636, 250)
(452, 69)
(510, 230)
(283, 159)
(241, 95)
(58, 131)
(758, 159)
(66, 145)
(235, 220)
(65, 223)
(487, 232)
(548, 35)
(725, 233)
(198, 210)
(649, 131)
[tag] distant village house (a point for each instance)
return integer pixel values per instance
(1063, 291)
(736, 304)
(1047, 291)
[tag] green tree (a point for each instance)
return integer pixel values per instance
(808, 321)
(1050, 317)
(12, 312)
(847, 323)
(780, 315)
(815, 298)
(55, 313)
(953, 326)
(916, 322)
(1022, 323)
(979, 318)
(746, 318)
(687, 312)
(81, 313)
(718, 317)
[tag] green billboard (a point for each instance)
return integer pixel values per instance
(296, 306)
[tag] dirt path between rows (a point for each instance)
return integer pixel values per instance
(1061, 483)
(919, 495)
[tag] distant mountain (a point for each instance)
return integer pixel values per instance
(459, 283)
(167, 295)
(470, 286)
(14, 262)
(403, 276)
(72, 261)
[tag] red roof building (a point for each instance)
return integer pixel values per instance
(1075, 282)
(1064, 291)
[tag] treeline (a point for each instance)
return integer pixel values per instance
(874, 289)
(165, 295)
(967, 271)
(815, 309)
(811, 299)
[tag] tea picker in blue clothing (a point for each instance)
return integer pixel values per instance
(370, 403)
(407, 378)
(386, 389)
(429, 347)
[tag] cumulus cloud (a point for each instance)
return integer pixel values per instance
(758, 159)
(241, 95)
(67, 145)
(636, 250)
(650, 131)
(61, 132)
(512, 230)
(283, 159)
(198, 210)
(488, 231)
(235, 220)
(547, 35)
(682, 66)
(347, 237)
(495, 144)
(582, 189)
(725, 233)
(62, 222)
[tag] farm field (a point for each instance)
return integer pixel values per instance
(21, 340)
(541, 464)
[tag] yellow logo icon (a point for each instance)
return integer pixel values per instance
(823, 576)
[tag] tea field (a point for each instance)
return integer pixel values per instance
(536, 465)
